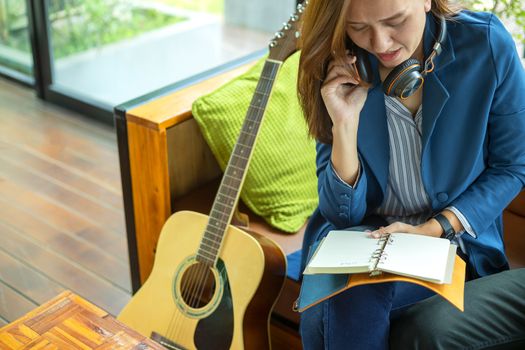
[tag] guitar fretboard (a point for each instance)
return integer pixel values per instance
(232, 180)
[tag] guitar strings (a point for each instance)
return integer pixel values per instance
(176, 315)
(197, 279)
(231, 192)
(235, 189)
(199, 276)
(182, 330)
(194, 281)
(177, 328)
(187, 293)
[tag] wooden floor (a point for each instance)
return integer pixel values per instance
(61, 212)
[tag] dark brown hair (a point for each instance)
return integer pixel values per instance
(323, 36)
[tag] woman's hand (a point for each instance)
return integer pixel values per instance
(342, 97)
(428, 228)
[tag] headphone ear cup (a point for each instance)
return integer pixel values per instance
(406, 75)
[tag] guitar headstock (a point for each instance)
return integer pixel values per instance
(284, 44)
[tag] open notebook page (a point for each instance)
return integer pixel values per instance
(417, 256)
(343, 252)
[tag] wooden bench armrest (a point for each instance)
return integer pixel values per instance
(171, 109)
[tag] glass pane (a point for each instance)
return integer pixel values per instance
(15, 47)
(114, 50)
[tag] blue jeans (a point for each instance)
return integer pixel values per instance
(358, 318)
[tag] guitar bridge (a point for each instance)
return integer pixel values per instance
(168, 344)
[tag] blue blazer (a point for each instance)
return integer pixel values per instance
(473, 141)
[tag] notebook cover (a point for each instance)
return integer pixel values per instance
(319, 287)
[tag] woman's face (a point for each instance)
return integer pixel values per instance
(392, 30)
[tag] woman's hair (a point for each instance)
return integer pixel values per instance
(323, 37)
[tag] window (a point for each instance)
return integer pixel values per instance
(111, 51)
(15, 48)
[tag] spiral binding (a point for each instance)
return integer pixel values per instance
(379, 255)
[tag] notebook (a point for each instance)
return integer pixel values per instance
(317, 287)
(423, 257)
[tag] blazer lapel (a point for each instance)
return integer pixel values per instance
(372, 137)
(435, 93)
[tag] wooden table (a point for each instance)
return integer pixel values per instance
(70, 322)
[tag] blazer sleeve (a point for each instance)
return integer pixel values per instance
(339, 203)
(504, 176)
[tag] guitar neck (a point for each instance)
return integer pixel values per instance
(235, 172)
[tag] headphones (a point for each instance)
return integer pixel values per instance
(406, 78)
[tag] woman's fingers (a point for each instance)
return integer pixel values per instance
(397, 227)
(377, 233)
(334, 82)
(339, 67)
(348, 61)
(392, 228)
(337, 71)
(341, 93)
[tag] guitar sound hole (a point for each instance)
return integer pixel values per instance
(197, 285)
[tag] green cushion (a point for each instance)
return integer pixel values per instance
(281, 184)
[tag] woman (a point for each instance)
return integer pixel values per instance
(444, 159)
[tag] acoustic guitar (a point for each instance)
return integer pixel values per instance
(213, 285)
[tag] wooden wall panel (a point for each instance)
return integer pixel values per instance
(150, 189)
(190, 160)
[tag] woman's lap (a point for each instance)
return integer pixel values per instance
(359, 316)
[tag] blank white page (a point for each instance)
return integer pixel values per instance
(417, 256)
(343, 252)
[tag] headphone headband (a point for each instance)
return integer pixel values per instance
(437, 47)
(442, 34)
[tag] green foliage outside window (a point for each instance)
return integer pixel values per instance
(208, 6)
(78, 26)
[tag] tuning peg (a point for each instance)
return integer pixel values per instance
(279, 35)
(294, 18)
(287, 26)
(300, 8)
(305, 2)
(273, 43)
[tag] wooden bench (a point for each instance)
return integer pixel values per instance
(167, 166)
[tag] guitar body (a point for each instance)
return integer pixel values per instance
(192, 306)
